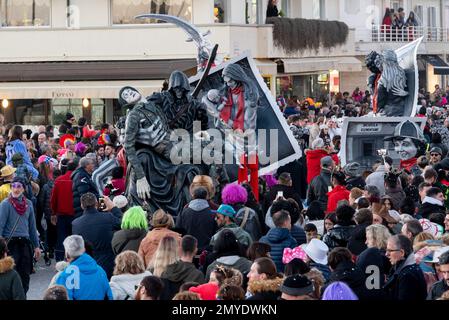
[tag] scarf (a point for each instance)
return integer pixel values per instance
(226, 113)
(408, 164)
(20, 206)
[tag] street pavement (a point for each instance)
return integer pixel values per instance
(40, 280)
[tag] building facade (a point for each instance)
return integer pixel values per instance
(75, 55)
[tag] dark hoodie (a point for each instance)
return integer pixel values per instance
(127, 239)
(10, 283)
(176, 275)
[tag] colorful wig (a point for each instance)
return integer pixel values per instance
(234, 193)
(135, 218)
(80, 148)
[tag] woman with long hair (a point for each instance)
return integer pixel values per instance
(167, 253)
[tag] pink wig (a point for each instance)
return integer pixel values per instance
(270, 180)
(234, 193)
(80, 148)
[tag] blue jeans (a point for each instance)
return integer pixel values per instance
(64, 229)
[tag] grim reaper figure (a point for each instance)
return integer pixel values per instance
(390, 85)
(153, 180)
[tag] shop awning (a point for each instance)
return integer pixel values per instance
(266, 66)
(439, 66)
(74, 89)
(303, 65)
(93, 70)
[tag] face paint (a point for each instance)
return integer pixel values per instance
(131, 96)
(406, 148)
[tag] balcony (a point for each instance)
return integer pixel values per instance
(380, 37)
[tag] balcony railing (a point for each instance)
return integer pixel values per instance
(384, 33)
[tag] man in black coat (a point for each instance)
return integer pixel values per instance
(82, 183)
(197, 219)
(97, 228)
(432, 203)
(319, 186)
(442, 286)
(285, 185)
(406, 280)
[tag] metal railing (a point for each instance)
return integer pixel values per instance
(384, 33)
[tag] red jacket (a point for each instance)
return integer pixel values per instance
(313, 158)
(337, 194)
(62, 196)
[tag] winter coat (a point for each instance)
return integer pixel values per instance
(397, 196)
(118, 184)
(337, 194)
(151, 241)
(354, 277)
(437, 290)
(93, 283)
(18, 146)
(279, 239)
(98, 228)
(430, 205)
(313, 160)
(242, 236)
(10, 282)
(375, 257)
(355, 182)
(377, 179)
(123, 286)
(298, 234)
(319, 188)
(198, 221)
(62, 196)
(252, 225)
(240, 263)
(81, 184)
(268, 290)
(357, 240)
(43, 200)
(406, 281)
(338, 236)
(127, 239)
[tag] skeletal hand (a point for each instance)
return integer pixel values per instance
(143, 188)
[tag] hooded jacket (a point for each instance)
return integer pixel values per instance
(123, 286)
(17, 146)
(176, 274)
(406, 281)
(313, 160)
(338, 193)
(10, 283)
(430, 205)
(127, 239)
(279, 239)
(338, 236)
(198, 221)
(93, 283)
(265, 289)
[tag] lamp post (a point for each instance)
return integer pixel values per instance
(5, 103)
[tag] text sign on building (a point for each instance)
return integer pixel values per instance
(62, 94)
(369, 128)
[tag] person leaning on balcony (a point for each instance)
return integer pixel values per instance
(272, 9)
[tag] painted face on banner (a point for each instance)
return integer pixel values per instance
(131, 96)
(230, 82)
(406, 148)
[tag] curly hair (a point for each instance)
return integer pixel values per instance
(128, 262)
(234, 193)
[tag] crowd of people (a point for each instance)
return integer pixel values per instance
(396, 27)
(320, 231)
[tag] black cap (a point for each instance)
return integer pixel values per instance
(69, 116)
(297, 285)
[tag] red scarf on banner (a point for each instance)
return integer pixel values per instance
(408, 164)
(226, 112)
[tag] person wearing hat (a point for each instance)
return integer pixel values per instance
(18, 227)
(320, 185)
(297, 287)
(441, 256)
(69, 120)
(409, 143)
(435, 155)
(225, 219)
(161, 222)
(317, 251)
(353, 177)
(7, 174)
(338, 193)
(313, 158)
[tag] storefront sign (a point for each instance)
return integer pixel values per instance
(369, 127)
(62, 94)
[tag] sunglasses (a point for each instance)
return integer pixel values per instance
(16, 185)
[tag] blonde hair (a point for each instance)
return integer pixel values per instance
(187, 295)
(380, 235)
(128, 262)
(161, 219)
(420, 240)
(166, 254)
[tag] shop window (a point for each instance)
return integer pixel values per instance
(98, 111)
(124, 11)
(25, 13)
(94, 112)
(29, 112)
(315, 86)
(220, 11)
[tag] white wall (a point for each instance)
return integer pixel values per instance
(93, 13)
